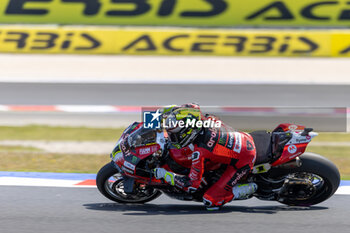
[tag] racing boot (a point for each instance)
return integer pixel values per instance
(209, 205)
(244, 191)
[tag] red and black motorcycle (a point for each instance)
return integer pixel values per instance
(282, 171)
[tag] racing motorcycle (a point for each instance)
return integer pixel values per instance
(282, 171)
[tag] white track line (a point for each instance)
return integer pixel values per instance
(23, 181)
(39, 182)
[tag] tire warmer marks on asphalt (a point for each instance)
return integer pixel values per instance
(79, 180)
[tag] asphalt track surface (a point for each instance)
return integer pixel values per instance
(84, 210)
(163, 94)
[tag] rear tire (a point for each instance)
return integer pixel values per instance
(318, 165)
(110, 190)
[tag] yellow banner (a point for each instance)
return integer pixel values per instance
(341, 44)
(149, 41)
(178, 12)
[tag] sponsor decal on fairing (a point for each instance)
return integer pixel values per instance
(292, 149)
(129, 165)
(238, 142)
(144, 151)
(212, 136)
(292, 127)
(231, 140)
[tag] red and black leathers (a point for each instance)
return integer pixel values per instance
(219, 146)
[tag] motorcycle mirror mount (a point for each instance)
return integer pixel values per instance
(306, 131)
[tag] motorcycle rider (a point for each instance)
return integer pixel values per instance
(213, 144)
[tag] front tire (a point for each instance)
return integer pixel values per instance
(110, 183)
(317, 166)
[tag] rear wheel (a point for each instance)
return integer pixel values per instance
(313, 182)
(111, 184)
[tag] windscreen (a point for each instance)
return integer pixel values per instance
(142, 137)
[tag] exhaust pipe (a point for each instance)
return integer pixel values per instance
(292, 164)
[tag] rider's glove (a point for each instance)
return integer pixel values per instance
(161, 173)
(182, 182)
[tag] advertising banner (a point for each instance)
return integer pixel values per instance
(178, 12)
(150, 41)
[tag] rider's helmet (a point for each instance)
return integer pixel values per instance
(180, 123)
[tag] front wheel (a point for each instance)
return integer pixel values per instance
(111, 184)
(316, 180)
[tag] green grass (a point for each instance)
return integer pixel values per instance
(338, 155)
(49, 133)
(19, 149)
(51, 162)
(35, 132)
(345, 177)
(332, 137)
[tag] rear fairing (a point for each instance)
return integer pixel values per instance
(296, 146)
